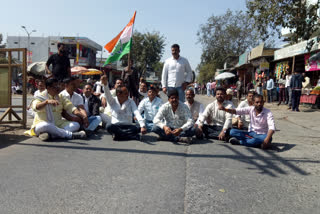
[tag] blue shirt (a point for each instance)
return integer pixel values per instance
(150, 109)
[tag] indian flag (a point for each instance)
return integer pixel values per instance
(121, 44)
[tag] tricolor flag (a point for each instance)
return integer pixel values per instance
(121, 44)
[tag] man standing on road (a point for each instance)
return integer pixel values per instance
(288, 88)
(60, 64)
(261, 126)
(173, 122)
(239, 89)
(296, 86)
(213, 88)
(123, 108)
(208, 86)
(176, 73)
(219, 121)
(270, 86)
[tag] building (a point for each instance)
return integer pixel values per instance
(81, 50)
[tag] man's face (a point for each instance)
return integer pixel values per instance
(258, 104)
(118, 83)
(175, 52)
(123, 94)
(152, 94)
(174, 100)
(87, 90)
(54, 89)
(71, 86)
(41, 86)
(143, 87)
(249, 98)
(62, 49)
(190, 96)
(220, 96)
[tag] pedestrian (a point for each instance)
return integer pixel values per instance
(60, 62)
(239, 85)
(264, 89)
(259, 86)
(270, 86)
(306, 84)
(213, 88)
(282, 89)
(288, 88)
(176, 73)
(296, 85)
(208, 86)
(195, 87)
(130, 79)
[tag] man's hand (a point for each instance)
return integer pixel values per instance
(266, 144)
(103, 102)
(104, 80)
(167, 130)
(143, 130)
(199, 131)
(53, 102)
(177, 132)
(164, 90)
(222, 135)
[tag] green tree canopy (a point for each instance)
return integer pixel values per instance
(271, 16)
(147, 50)
(230, 34)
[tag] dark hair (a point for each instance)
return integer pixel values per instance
(221, 89)
(190, 89)
(50, 82)
(118, 79)
(68, 80)
(88, 84)
(175, 46)
(259, 96)
(153, 89)
(252, 92)
(173, 92)
(60, 44)
(119, 89)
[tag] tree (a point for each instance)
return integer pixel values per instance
(147, 50)
(271, 16)
(230, 34)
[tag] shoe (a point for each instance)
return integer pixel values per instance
(89, 133)
(297, 110)
(79, 135)
(234, 141)
(44, 136)
(186, 140)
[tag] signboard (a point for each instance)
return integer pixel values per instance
(311, 65)
(4, 87)
(264, 66)
(295, 50)
(243, 59)
(257, 52)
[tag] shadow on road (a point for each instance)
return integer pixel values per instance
(265, 160)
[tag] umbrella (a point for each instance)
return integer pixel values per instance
(224, 75)
(78, 70)
(37, 68)
(92, 71)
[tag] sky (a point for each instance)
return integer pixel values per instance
(101, 20)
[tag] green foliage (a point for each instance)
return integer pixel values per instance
(271, 16)
(147, 50)
(230, 34)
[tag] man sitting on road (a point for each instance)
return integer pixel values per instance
(149, 107)
(92, 106)
(143, 91)
(219, 121)
(243, 121)
(261, 127)
(173, 122)
(123, 108)
(48, 121)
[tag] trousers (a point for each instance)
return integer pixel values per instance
(296, 94)
(250, 139)
(180, 92)
(94, 122)
(212, 131)
(187, 133)
(123, 131)
(56, 132)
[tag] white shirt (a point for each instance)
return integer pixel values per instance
(217, 117)
(196, 110)
(76, 98)
(122, 113)
(209, 86)
(86, 104)
(99, 87)
(179, 119)
(37, 93)
(244, 118)
(150, 109)
(176, 72)
(288, 80)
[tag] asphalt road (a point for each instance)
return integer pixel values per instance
(103, 176)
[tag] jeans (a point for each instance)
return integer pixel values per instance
(212, 132)
(188, 133)
(149, 125)
(208, 92)
(124, 131)
(251, 139)
(213, 92)
(94, 122)
(180, 92)
(296, 99)
(288, 96)
(270, 96)
(282, 97)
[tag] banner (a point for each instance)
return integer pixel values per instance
(311, 65)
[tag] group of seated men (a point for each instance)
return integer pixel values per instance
(173, 121)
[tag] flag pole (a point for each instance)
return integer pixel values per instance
(129, 54)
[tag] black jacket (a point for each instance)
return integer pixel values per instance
(94, 104)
